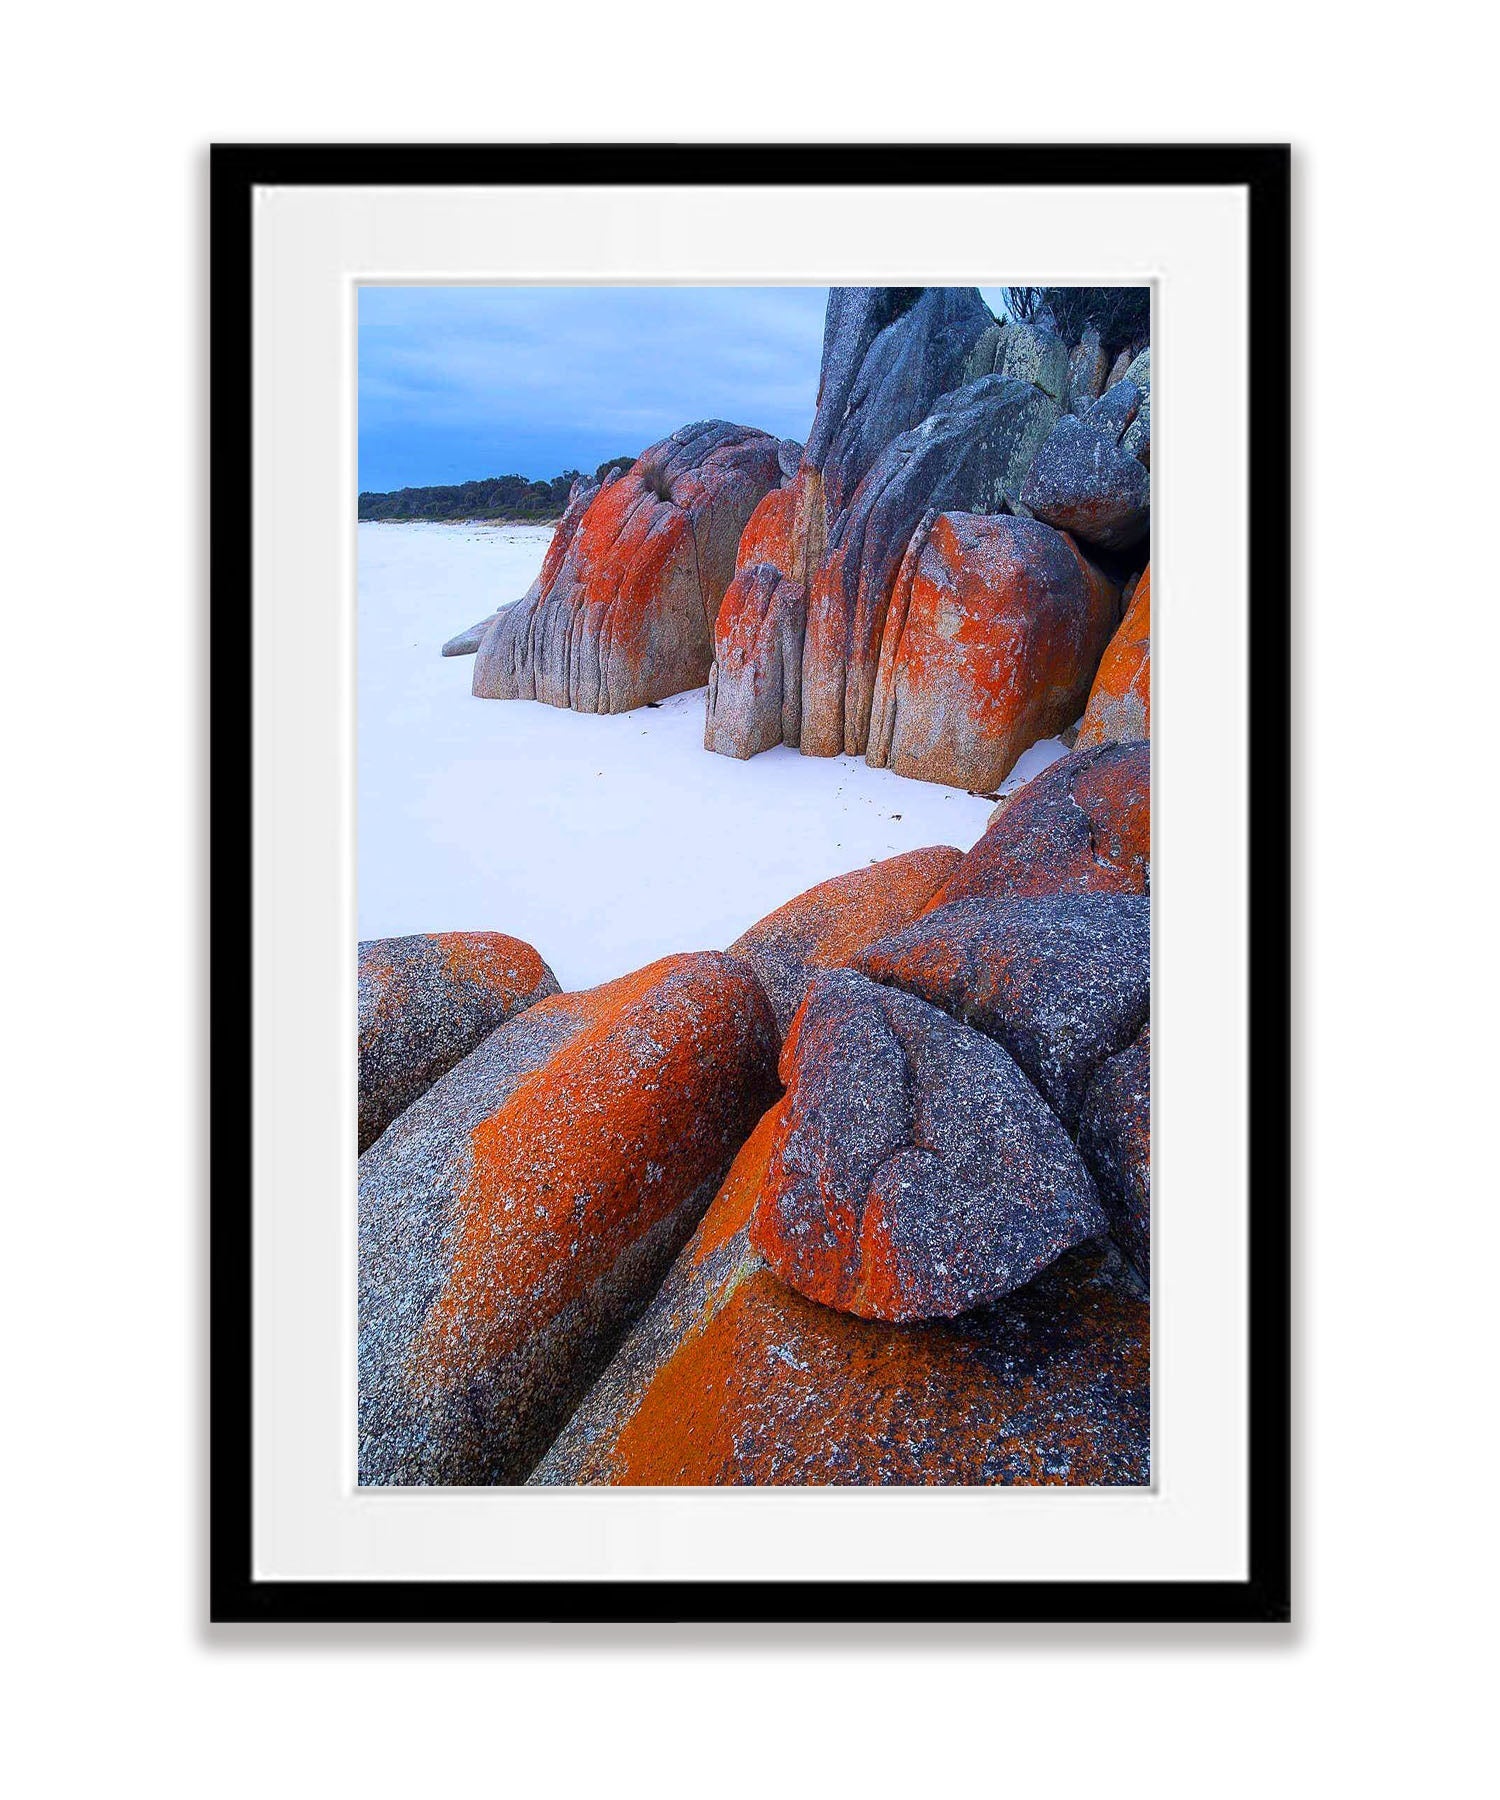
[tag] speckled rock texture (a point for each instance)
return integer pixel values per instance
(917, 1172)
(1083, 826)
(466, 643)
(1025, 352)
(732, 1378)
(1085, 481)
(1136, 440)
(969, 455)
(627, 615)
(993, 634)
(1088, 367)
(1114, 1135)
(517, 1218)
(1119, 708)
(829, 924)
(888, 354)
(1062, 982)
(426, 1001)
(755, 682)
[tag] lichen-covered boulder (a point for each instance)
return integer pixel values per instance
(514, 1221)
(733, 1378)
(970, 454)
(888, 354)
(427, 1000)
(1119, 708)
(993, 634)
(1085, 481)
(627, 615)
(1025, 352)
(1087, 368)
(1062, 981)
(1082, 826)
(917, 1172)
(829, 924)
(1114, 1136)
(1136, 439)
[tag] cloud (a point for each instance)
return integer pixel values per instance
(461, 382)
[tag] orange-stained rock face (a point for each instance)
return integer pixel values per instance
(427, 1000)
(733, 1378)
(993, 635)
(755, 683)
(829, 924)
(1082, 826)
(516, 1219)
(917, 1172)
(628, 613)
(1119, 708)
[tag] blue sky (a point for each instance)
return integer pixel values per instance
(458, 383)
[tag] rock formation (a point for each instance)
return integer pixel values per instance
(993, 634)
(1062, 982)
(426, 1001)
(969, 455)
(625, 615)
(516, 1218)
(826, 927)
(1119, 708)
(927, 405)
(733, 1378)
(916, 1172)
(1082, 826)
(1114, 1135)
(1087, 478)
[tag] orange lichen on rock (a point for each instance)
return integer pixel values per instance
(733, 1378)
(1119, 708)
(993, 635)
(755, 683)
(560, 1204)
(628, 614)
(1082, 826)
(832, 922)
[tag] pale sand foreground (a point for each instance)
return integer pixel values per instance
(604, 841)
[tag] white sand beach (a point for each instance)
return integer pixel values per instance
(604, 841)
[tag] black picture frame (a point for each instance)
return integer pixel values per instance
(1263, 172)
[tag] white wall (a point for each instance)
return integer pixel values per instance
(1377, 1689)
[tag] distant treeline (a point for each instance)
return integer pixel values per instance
(501, 497)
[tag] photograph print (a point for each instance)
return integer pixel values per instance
(754, 870)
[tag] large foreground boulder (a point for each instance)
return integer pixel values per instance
(1083, 826)
(991, 640)
(627, 615)
(733, 1378)
(1084, 480)
(1114, 1135)
(829, 924)
(1119, 708)
(916, 1173)
(425, 1001)
(515, 1220)
(970, 454)
(1062, 982)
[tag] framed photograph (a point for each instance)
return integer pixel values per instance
(750, 855)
